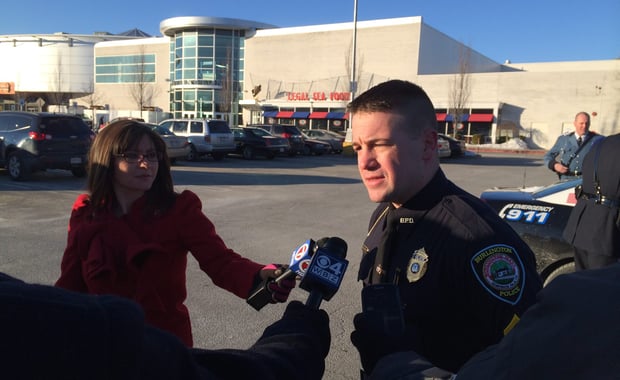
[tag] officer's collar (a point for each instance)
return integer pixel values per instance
(431, 194)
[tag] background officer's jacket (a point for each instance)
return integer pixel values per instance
(566, 151)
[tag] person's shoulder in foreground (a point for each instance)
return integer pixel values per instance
(570, 333)
(52, 333)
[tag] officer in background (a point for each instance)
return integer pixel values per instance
(593, 227)
(464, 276)
(566, 156)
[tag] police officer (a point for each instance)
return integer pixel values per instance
(593, 227)
(464, 276)
(566, 156)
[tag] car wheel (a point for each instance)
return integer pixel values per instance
(193, 154)
(18, 168)
(248, 152)
(567, 267)
(79, 172)
(218, 156)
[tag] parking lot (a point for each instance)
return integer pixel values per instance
(263, 209)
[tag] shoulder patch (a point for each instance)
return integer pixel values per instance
(498, 268)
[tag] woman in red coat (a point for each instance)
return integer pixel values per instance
(131, 234)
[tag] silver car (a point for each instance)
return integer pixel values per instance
(206, 137)
(177, 146)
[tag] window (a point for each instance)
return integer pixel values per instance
(125, 69)
(179, 127)
(195, 127)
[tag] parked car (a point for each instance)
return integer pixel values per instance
(31, 142)
(334, 139)
(290, 132)
(100, 126)
(314, 146)
(457, 147)
(443, 148)
(177, 146)
(206, 137)
(539, 214)
(250, 142)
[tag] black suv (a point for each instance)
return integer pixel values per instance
(290, 132)
(38, 141)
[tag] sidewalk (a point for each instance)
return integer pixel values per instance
(495, 149)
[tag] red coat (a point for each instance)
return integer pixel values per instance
(146, 259)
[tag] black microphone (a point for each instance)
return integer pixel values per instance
(324, 275)
(300, 261)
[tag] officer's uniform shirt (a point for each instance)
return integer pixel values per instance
(594, 224)
(566, 151)
(463, 273)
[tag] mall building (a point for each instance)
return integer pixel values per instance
(248, 72)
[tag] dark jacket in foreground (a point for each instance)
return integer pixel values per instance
(51, 333)
(571, 333)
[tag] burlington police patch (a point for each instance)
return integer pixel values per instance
(500, 271)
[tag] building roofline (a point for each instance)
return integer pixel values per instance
(339, 26)
(170, 26)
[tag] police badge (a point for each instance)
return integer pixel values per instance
(417, 265)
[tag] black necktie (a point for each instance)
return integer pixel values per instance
(579, 140)
(381, 265)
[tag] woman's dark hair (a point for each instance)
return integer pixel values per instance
(117, 138)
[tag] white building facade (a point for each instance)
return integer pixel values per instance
(247, 72)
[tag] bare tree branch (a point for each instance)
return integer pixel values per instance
(460, 89)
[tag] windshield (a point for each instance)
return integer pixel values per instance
(261, 132)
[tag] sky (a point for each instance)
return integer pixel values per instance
(520, 31)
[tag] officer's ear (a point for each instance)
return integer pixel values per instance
(429, 137)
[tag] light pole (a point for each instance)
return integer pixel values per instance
(353, 83)
(311, 110)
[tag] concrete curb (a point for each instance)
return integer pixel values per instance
(476, 149)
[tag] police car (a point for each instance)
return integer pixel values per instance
(539, 215)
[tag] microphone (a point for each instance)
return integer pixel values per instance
(325, 272)
(300, 261)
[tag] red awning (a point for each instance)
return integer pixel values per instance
(441, 116)
(285, 114)
(480, 118)
(318, 115)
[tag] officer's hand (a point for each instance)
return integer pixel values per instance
(559, 168)
(373, 343)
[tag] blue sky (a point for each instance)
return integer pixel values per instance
(521, 31)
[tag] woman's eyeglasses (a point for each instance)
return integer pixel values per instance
(134, 157)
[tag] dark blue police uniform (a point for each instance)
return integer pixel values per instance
(464, 275)
(593, 227)
(568, 152)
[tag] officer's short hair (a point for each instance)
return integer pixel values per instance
(398, 96)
